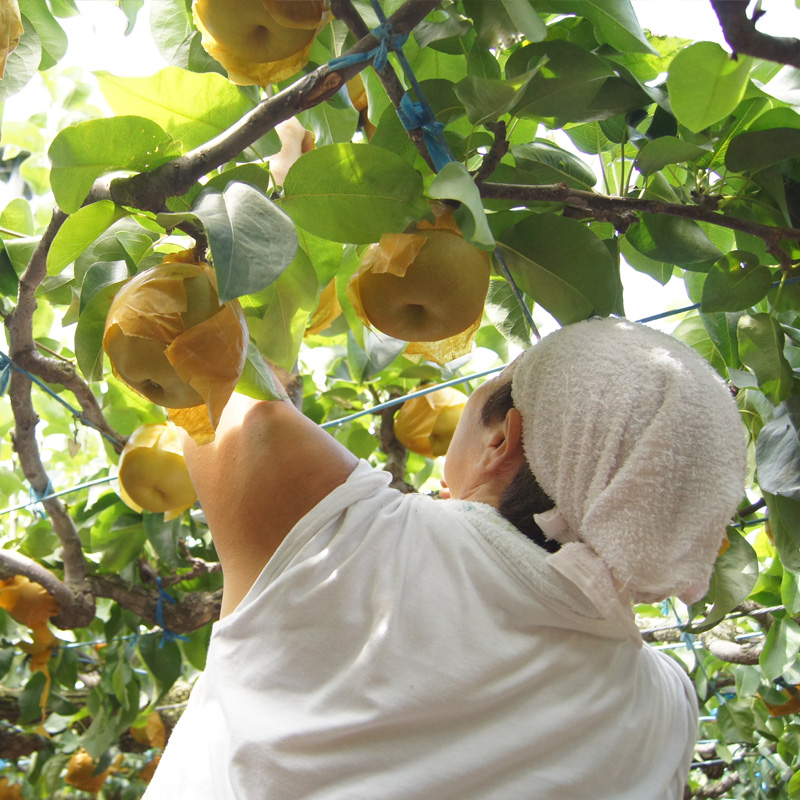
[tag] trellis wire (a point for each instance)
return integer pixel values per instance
(7, 364)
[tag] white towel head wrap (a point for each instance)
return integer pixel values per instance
(640, 445)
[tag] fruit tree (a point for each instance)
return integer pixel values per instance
(376, 198)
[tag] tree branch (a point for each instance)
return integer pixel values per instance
(732, 652)
(13, 563)
(150, 190)
(741, 34)
(602, 205)
(346, 12)
(194, 610)
(496, 152)
(716, 789)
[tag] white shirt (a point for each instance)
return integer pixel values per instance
(397, 646)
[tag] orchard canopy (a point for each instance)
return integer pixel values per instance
(571, 148)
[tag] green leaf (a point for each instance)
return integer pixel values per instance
(736, 720)
(287, 304)
(694, 333)
(120, 538)
(353, 193)
(83, 152)
(735, 575)
(564, 87)
(615, 23)
(163, 536)
(549, 163)
(784, 524)
(23, 61)
(99, 276)
(329, 124)
(673, 240)
(562, 265)
(252, 241)
(778, 451)
(736, 282)
(17, 216)
(658, 270)
(51, 34)
(793, 787)
(780, 648)
(92, 321)
(172, 29)
(163, 659)
(761, 342)
(501, 25)
(705, 84)
(657, 154)
(257, 380)
(455, 183)
(486, 100)
(379, 351)
(755, 150)
(193, 108)
(79, 231)
(721, 329)
(504, 312)
(29, 697)
(525, 19)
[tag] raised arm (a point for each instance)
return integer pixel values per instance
(267, 467)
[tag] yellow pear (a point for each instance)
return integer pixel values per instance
(424, 285)
(258, 41)
(156, 316)
(426, 424)
(152, 471)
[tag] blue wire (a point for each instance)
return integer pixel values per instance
(8, 363)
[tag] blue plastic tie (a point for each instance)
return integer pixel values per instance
(379, 54)
(415, 116)
(5, 377)
(168, 635)
(36, 499)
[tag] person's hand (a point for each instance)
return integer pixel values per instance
(444, 492)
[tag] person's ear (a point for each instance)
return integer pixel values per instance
(504, 452)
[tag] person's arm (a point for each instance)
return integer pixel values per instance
(267, 467)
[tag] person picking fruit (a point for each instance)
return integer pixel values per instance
(483, 647)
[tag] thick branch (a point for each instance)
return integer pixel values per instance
(192, 611)
(732, 652)
(717, 789)
(13, 563)
(603, 205)
(150, 190)
(741, 34)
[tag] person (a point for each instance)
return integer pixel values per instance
(376, 644)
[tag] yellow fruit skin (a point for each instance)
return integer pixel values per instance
(258, 41)
(149, 318)
(152, 471)
(80, 773)
(426, 424)
(441, 294)
(143, 365)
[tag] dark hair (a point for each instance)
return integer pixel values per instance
(523, 497)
